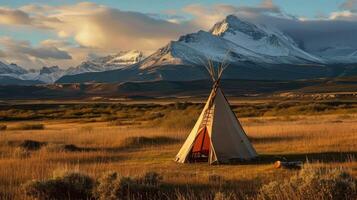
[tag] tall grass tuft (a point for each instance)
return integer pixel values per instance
(70, 185)
(112, 186)
(312, 184)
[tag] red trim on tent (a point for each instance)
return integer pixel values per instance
(201, 147)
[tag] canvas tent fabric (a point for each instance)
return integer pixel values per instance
(217, 136)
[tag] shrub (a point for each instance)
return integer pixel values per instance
(151, 178)
(28, 145)
(30, 127)
(62, 148)
(31, 145)
(112, 186)
(314, 184)
(3, 127)
(68, 186)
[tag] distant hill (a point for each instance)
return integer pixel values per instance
(177, 89)
(8, 80)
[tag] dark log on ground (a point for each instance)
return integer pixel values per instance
(288, 165)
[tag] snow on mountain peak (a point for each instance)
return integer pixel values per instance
(111, 62)
(243, 40)
(262, 40)
(231, 24)
(11, 69)
(128, 57)
(164, 55)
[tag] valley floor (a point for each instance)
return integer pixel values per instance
(321, 140)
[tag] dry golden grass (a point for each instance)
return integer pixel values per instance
(328, 140)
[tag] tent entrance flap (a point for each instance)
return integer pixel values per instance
(201, 148)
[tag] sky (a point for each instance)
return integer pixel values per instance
(64, 33)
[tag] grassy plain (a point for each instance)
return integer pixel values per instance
(96, 138)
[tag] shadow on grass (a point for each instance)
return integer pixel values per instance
(326, 157)
(134, 143)
(273, 139)
(97, 159)
(240, 188)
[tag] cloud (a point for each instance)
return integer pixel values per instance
(96, 26)
(24, 47)
(82, 29)
(349, 5)
(92, 28)
(2, 54)
(120, 30)
(343, 15)
(26, 54)
(206, 16)
(8, 16)
(99, 29)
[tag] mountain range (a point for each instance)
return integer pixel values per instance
(10, 73)
(253, 51)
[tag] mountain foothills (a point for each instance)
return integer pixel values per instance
(253, 51)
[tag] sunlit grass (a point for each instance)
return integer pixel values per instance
(133, 150)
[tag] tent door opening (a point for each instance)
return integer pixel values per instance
(201, 147)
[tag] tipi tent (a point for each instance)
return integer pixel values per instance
(217, 136)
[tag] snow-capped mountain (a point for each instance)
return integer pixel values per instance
(242, 40)
(262, 40)
(52, 74)
(111, 62)
(196, 48)
(11, 69)
(254, 51)
(45, 75)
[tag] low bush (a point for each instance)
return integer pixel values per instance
(32, 144)
(67, 186)
(28, 145)
(112, 186)
(312, 184)
(62, 148)
(30, 127)
(151, 178)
